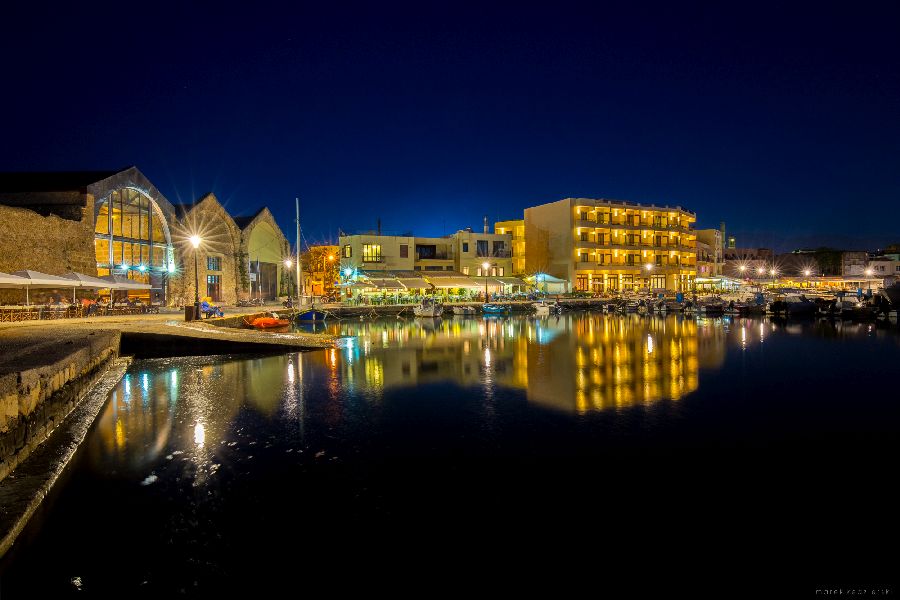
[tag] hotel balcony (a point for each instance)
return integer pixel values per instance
(634, 267)
(614, 245)
(494, 254)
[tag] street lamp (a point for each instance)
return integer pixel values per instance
(288, 263)
(742, 268)
(195, 242)
(649, 267)
(484, 267)
(806, 273)
(330, 259)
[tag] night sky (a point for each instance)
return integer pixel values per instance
(785, 124)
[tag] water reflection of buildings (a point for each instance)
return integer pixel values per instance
(619, 362)
(573, 363)
(185, 405)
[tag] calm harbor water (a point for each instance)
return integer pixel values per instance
(442, 449)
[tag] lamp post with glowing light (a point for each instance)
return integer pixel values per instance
(347, 273)
(485, 266)
(806, 273)
(195, 242)
(288, 263)
(330, 260)
(773, 273)
(649, 267)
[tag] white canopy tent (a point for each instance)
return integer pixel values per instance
(80, 280)
(118, 282)
(36, 279)
(12, 281)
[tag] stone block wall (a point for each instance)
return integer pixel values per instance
(221, 239)
(43, 384)
(49, 244)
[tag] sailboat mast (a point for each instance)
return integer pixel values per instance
(301, 289)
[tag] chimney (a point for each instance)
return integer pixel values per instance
(485, 224)
(379, 226)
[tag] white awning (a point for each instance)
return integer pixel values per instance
(545, 278)
(384, 283)
(36, 279)
(509, 280)
(457, 282)
(87, 281)
(12, 281)
(117, 282)
(414, 283)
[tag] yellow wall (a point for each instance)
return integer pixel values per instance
(569, 239)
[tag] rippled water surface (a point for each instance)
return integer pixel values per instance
(437, 448)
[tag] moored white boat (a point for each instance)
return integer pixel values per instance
(430, 307)
(545, 308)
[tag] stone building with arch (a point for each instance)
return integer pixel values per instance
(104, 223)
(264, 248)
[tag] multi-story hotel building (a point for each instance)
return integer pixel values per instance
(612, 245)
(517, 229)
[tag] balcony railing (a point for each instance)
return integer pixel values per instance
(435, 256)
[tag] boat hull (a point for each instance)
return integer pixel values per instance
(311, 315)
(892, 293)
(494, 309)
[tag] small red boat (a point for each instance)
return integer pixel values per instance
(267, 322)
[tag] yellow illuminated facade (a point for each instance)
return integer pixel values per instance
(131, 235)
(516, 228)
(603, 245)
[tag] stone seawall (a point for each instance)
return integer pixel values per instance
(40, 383)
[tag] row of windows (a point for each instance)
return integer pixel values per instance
(479, 272)
(630, 239)
(129, 214)
(625, 282)
(129, 253)
(633, 220)
(631, 259)
(372, 252)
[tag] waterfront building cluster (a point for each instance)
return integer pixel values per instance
(117, 225)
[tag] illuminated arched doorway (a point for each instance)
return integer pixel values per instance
(265, 255)
(131, 237)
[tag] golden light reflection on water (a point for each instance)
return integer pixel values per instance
(572, 363)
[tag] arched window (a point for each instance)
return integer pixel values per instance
(131, 236)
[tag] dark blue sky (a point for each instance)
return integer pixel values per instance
(785, 123)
